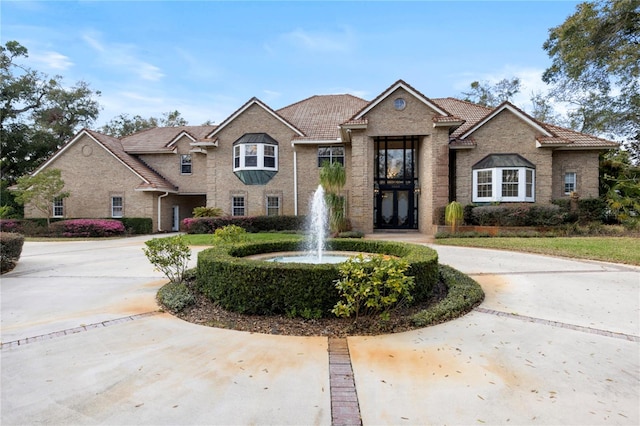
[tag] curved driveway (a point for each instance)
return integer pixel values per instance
(556, 341)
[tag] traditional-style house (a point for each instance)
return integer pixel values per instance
(406, 156)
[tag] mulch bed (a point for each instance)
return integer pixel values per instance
(207, 313)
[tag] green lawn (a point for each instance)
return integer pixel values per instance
(207, 239)
(608, 249)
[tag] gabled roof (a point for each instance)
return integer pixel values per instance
(397, 85)
(247, 105)
(151, 181)
(508, 106)
(469, 112)
(163, 139)
(319, 116)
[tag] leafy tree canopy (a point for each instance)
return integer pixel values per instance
(37, 113)
(596, 68)
(493, 95)
(124, 125)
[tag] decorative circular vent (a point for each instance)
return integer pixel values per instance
(399, 104)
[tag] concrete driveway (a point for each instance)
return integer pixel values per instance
(556, 341)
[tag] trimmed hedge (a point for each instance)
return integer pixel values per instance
(37, 227)
(87, 228)
(515, 215)
(10, 250)
(463, 294)
(137, 225)
(208, 225)
(259, 287)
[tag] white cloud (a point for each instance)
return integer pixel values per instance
(122, 57)
(327, 42)
(52, 60)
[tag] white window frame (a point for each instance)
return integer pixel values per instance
(574, 183)
(271, 207)
(333, 157)
(240, 155)
(496, 185)
(58, 207)
(114, 206)
(184, 163)
(234, 206)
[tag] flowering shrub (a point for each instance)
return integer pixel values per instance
(88, 228)
(10, 225)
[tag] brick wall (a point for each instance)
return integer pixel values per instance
(93, 175)
(505, 134)
(585, 164)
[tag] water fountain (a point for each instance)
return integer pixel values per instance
(317, 225)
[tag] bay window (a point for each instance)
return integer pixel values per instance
(503, 178)
(255, 158)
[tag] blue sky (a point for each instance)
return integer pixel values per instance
(207, 58)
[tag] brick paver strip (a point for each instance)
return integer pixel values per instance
(345, 409)
(83, 328)
(583, 329)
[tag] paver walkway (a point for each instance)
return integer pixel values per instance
(555, 342)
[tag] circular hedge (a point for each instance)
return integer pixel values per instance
(249, 286)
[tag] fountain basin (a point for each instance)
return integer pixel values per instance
(233, 278)
(330, 257)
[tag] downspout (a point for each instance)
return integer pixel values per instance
(160, 197)
(295, 180)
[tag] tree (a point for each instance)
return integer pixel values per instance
(41, 190)
(491, 96)
(125, 125)
(37, 115)
(620, 185)
(596, 68)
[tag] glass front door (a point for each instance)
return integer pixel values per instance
(395, 209)
(395, 203)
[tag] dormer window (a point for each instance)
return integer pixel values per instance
(255, 158)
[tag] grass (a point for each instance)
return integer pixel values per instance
(609, 249)
(207, 239)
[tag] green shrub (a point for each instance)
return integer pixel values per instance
(137, 225)
(259, 287)
(208, 225)
(516, 215)
(169, 255)
(453, 215)
(372, 285)
(207, 212)
(10, 250)
(175, 297)
(351, 234)
(230, 234)
(463, 295)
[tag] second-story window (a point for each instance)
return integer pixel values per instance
(185, 164)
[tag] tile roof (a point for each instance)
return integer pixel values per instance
(580, 140)
(159, 139)
(467, 111)
(319, 117)
(151, 179)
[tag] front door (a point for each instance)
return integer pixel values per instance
(395, 181)
(175, 220)
(395, 208)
